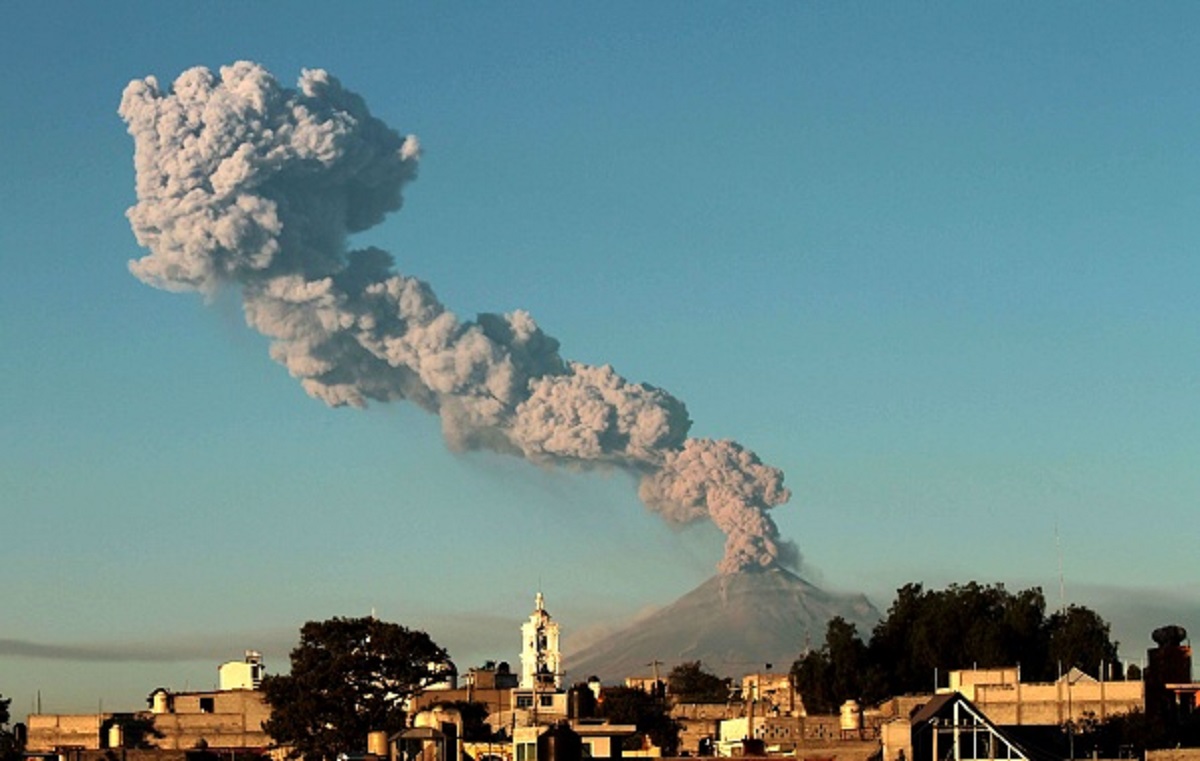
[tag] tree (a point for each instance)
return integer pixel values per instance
(629, 705)
(963, 626)
(349, 677)
(810, 674)
(837, 672)
(690, 683)
(1079, 638)
(847, 660)
(10, 745)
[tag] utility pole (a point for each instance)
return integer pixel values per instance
(654, 664)
(1062, 582)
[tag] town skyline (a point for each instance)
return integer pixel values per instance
(935, 263)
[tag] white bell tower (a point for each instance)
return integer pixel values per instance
(541, 662)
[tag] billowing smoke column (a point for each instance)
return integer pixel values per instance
(243, 182)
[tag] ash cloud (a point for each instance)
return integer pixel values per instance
(244, 183)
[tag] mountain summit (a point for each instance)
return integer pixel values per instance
(734, 623)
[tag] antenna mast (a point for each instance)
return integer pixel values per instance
(1062, 585)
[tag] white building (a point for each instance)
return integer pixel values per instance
(245, 674)
(541, 661)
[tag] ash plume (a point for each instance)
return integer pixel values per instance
(247, 184)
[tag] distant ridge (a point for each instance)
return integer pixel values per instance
(734, 623)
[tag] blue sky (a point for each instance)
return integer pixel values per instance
(936, 261)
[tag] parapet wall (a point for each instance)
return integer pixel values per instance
(47, 732)
(1056, 702)
(1174, 754)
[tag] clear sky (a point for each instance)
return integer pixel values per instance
(936, 261)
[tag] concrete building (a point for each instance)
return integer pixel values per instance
(245, 674)
(1008, 701)
(700, 723)
(997, 713)
(647, 684)
(772, 694)
(599, 739)
(226, 719)
(219, 719)
(1170, 692)
(803, 737)
(491, 684)
(950, 726)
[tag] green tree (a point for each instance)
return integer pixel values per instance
(836, 673)
(848, 665)
(690, 683)
(810, 674)
(10, 748)
(1079, 638)
(349, 676)
(1023, 623)
(982, 626)
(1119, 736)
(629, 705)
(904, 641)
(959, 627)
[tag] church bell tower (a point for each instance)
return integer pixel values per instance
(541, 662)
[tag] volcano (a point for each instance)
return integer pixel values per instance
(733, 623)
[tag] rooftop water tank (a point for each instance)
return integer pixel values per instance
(377, 743)
(851, 716)
(560, 743)
(116, 736)
(160, 701)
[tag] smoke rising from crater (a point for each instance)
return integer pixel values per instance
(244, 183)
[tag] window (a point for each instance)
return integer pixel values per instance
(527, 752)
(547, 701)
(524, 701)
(206, 705)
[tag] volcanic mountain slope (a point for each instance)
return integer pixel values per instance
(734, 623)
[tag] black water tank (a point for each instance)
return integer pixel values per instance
(560, 743)
(581, 702)
(1169, 636)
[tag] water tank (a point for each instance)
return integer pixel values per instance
(377, 743)
(437, 716)
(160, 701)
(1169, 636)
(560, 743)
(851, 716)
(581, 703)
(116, 736)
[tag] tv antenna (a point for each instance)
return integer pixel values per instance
(1062, 584)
